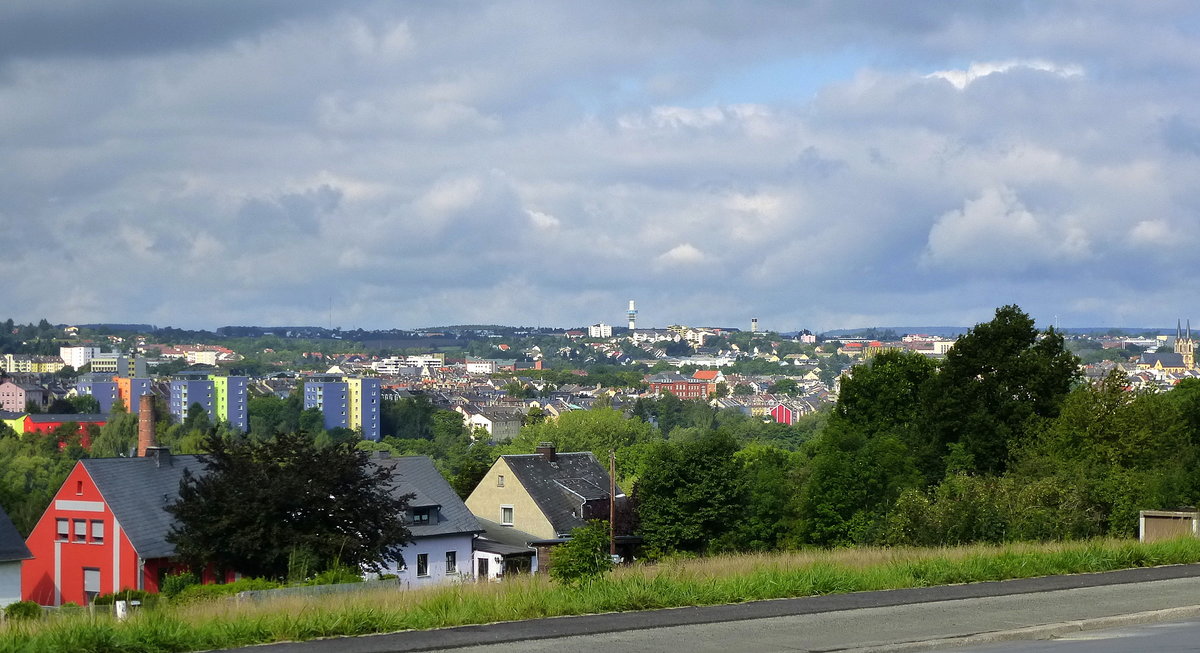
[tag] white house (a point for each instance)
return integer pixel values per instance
(443, 530)
(12, 553)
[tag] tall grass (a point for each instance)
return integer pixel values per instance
(674, 583)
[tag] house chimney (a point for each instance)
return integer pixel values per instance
(547, 451)
(146, 439)
(161, 456)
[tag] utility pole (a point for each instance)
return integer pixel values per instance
(612, 502)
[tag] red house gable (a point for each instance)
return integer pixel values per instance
(106, 530)
(783, 415)
(78, 548)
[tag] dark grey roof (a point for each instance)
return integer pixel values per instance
(67, 417)
(560, 486)
(138, 490)
(12, 545)
(417, 475)
(1167, 359)
(504, 540)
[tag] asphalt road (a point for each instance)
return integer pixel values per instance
(915, 619)
(1172, 637)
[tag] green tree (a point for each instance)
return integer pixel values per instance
(85, 405)
(784, 387)
(260, 502)
(689, 495)
(582, 558)
(994, 384)
(598, 431)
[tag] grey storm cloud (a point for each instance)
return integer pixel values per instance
(812, 164)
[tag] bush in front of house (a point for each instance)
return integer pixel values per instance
(146, 599)
(22, 610)
(173, 584)
(584, 557)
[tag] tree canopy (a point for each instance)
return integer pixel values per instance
(263, 502)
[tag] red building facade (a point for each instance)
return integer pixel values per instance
(106, 530)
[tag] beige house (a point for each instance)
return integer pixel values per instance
(545, 494)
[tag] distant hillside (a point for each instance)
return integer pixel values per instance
(943, 331)
(950, 332)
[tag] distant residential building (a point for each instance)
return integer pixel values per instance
(118, 364)
(600, 330)
(346, 402)
(480, 366)
(18, 364)
(77, 357)
(104, 392)
(500, 423)
(230, 396)
(222, 397)
(14, 396)
(678, 385)
(131, 389)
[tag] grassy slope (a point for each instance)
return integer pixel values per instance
(727, 579)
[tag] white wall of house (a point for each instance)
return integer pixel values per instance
(10, 582)
(495, 564)
(435, 549)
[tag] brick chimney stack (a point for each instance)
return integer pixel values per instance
(547, 450)
(146, 439)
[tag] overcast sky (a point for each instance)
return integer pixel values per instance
(813, 164)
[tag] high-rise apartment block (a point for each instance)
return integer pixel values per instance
(104, 391)
(346, 402)
(222, 397)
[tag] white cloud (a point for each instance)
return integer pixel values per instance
(681, 254)
(542, 220)
(961, 79)
(996, 233)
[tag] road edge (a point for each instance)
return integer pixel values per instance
(1028, 633)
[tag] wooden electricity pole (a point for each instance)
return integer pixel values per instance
(612, 503)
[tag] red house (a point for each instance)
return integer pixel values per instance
(49, 422)
(784, 415)
(106, 529)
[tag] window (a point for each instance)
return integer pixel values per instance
(63, 530)
(500, 480)
(78, 488)
(452, 562)
(91, 583)
(506, 515)
(422, 564)
(80, 530)
(421, 516)
(97, 532)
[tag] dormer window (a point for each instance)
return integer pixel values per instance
(421, 515)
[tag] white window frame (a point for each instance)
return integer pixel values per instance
(422, 557)
(511, 515)
(451, 562)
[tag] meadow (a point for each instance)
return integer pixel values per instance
(224, 623)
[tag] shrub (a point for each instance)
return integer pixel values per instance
(176, 583)
(335, 575)
(22, 610)
(209, 592)
(582, 558)
(147, 599)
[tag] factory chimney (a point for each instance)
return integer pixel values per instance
(146, 439)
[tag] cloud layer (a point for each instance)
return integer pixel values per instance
(815, 165)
